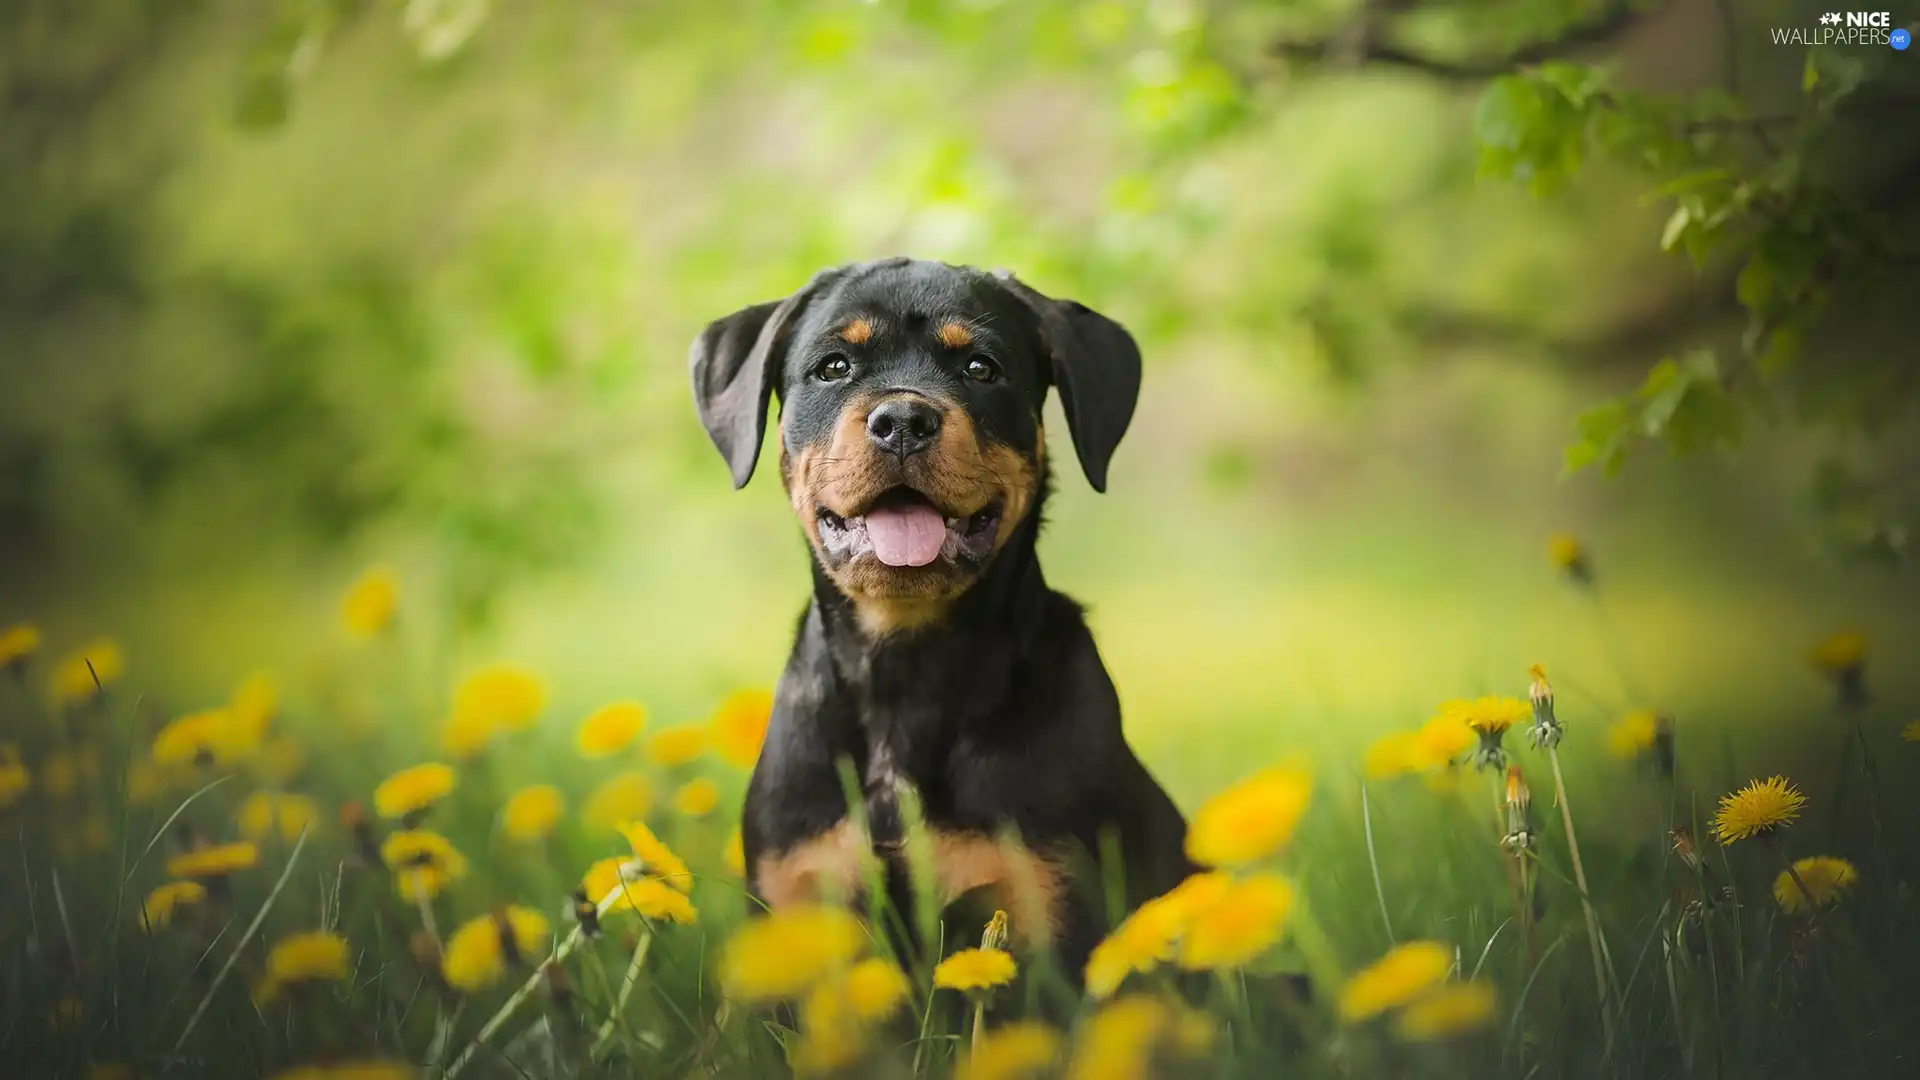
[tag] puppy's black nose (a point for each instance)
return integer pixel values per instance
(903, 426)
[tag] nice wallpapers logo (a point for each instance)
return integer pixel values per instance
(1847, 28)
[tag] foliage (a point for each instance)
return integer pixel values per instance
(1747, 191)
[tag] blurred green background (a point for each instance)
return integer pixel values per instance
(291, 289)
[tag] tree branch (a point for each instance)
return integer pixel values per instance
(1601, 28)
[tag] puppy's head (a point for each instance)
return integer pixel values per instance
(910, 397)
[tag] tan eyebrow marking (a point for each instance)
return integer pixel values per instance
(955, 335)
(857, 332)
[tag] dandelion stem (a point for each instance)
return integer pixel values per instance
(293, 858)
(1373, 860)
(627, 982)
(499, 1019)
(427, 920)
(979, 1023)
(1586, 903)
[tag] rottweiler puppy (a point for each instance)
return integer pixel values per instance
(933, 658)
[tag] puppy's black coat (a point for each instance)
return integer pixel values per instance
(933, 657)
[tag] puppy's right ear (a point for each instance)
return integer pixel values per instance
(735, 364)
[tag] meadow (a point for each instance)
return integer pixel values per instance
(1522, 880)
(383, 654)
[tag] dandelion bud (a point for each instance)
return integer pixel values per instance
(1684, 847)
(586, 913)
(1569, 556)
(1519, 836)
(1547, 730)
(995, 934)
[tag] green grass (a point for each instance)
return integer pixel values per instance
(1705, 975)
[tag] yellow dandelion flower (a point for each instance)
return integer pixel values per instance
(696, 798)
(1841, 653)
(265, 812)
(254, 705)
(370, 602)
(1130, 1039)
(208, 737)
(677, 746)
(1758, 809)
(532, 813)
(735, 855)
(15, 779)
(73, 679)
(1250, 821)
(1443, 740)
(654, 855)
(828, 1048)
(610, 729)
(464, 736)
(1826, 879)
(649, 896)
(1452, 1010)
(1240, 926)
(1490, 715)
(1911, 733)
(837, 1013)
(480, 951)
(972, 970)
(503, 697)
(313, 956)
(1149, 936)
(739, 726)
(410, 791)
(1021, 1050)
(219, 860)
(620, 798)
(1407, 972)
(1633, 734)
(423, 863)
(874, 989)
(1393, 754)
(160, 905)
(788, 952)
(1565, 551)
(18, 643)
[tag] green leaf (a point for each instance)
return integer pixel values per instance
(1809, 74)
(1699, 180)
(1676, 227)
(1601, 437)
(1685, 403)
(1783, 347)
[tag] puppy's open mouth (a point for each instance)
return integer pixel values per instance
(903, 528)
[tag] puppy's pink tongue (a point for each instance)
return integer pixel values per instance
(907, 535)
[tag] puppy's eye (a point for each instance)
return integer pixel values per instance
(832, 369)
(981, 368)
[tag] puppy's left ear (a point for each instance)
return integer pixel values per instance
(1097, 367)
(735, 363)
